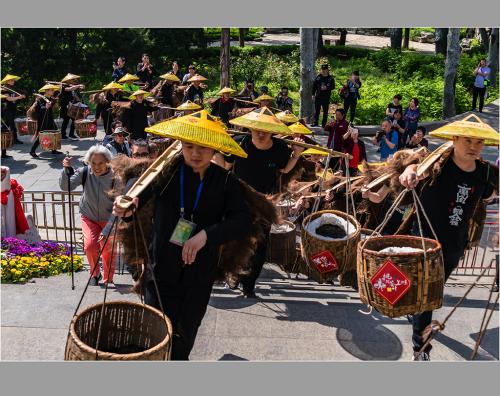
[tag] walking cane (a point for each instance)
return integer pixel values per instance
(68, 173)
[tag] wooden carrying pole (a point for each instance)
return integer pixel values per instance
(150, 174)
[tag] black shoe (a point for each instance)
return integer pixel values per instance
(409, 318)
(494, 289)
(17, 141)
(64, 137)
(34, 155)
(5, 156)
(94, 281)
(249, 294)
(56, 152)
(421, 357)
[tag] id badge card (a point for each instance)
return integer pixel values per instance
(182, 232)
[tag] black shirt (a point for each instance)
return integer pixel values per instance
(9, 109)
(221, 212)
(323, 86)
(261, 168)
(44, 116)
(450, 204)
(284, 103)
(393, 107)
(136, 119)
(145, 75)
(222, 108)
(194, 95)
(167, 90)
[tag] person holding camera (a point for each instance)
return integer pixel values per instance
(482, 73)
(394, 105)
(322, 90)
(398, 124)
(146, 71)
(417, 141)
(387, 140)
(248, 93)
(118, 69)
(283, 101)
(352, 95)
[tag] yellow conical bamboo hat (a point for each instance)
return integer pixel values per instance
(2, 96)
(262, 119)
(9, 77)
(287, 117)
(299, 128)
(313, 151)
(465, 128)
(226, 90)
(198, 128)
(197, 77)
(263, 97)
(112, 85)
(128, 77)
(49, 86)
(188, 105)
(139, 92)
(70, 77)
(170, 77)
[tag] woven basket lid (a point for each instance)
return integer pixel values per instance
(313, 151)
(287, 117)
(128, 77)
(112, 85)
(188, 105)
(50, 86)
(263, 97)
(300, 128)
(9, 77)
(263, 120)
(139, 92)
(198, 128)
(226, 90)
(197, 77)
(472, 129)
(170, 77)
(69, 77)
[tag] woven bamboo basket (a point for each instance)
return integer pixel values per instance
(130, 331)
(344, 251)
(86, 128)
(50, 140)
(281, 249)
(6, 139)
(426, 274)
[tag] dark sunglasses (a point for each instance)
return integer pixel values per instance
(120, 134)
(140, 155)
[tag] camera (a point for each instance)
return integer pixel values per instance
(379, 136)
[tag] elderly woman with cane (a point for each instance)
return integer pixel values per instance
(96, 179)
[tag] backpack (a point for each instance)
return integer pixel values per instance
(84, 175)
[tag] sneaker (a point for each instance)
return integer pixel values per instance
(34, 155)
(94, 281)
(64, 137)
(494, 289)
(421, 357)
(6, 156)
(409, 318)
(74, 137)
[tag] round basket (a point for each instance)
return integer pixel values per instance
(86, 128)
(50, 140)
(130, 331)
(6, 139)
(425, 274)
(281, 249)
(342, 250)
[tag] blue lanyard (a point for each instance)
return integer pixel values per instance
(198, 194)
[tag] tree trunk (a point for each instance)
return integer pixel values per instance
(406, 42)
(315, 42)
(492, 61)
(242, 32)
(450, 72)
(225, 37)
(396, 38)
(441, 42)
(484, 39)
(307, 45)
(343, 37)
(320, 46)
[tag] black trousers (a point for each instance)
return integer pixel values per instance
(321, 103)
(66, 120)
(185, 306)
(256, 262)
(422, 320)
(475, 93)
(9, 120)
(350, 103)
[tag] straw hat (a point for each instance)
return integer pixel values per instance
(70, 77)
(226, 90)
(262, 120)
(313, 151)
(197, 77)
(139, 92)
(120, 130)
(2, 96)
(471, 129)
(112, 85)
(46, 87)
(287, 117)
(300, 129)
(170, 77)
(188, 106)
(263, 97)
(128, 77)
(198, 128)
(9, 77)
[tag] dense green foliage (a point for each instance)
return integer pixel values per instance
(39, 54)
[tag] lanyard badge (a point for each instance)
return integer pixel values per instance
(185, 228)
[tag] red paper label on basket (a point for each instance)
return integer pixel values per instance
(390, 282)
(24, 128)
(324, 262)
(46, 143)
(92, 128)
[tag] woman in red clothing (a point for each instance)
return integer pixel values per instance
(356, 148)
